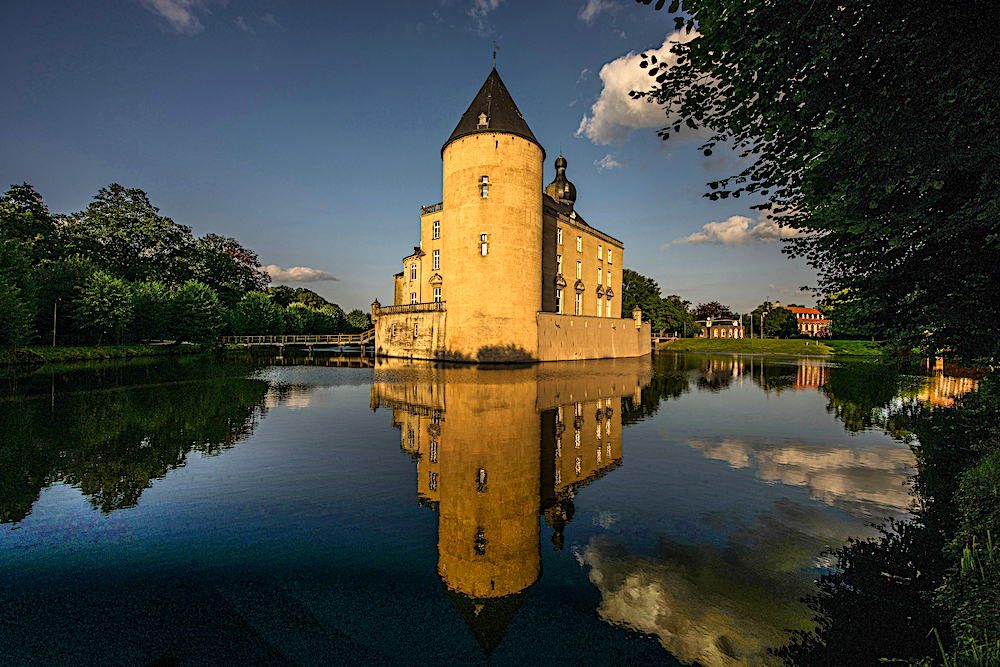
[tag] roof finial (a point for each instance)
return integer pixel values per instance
(495, 49)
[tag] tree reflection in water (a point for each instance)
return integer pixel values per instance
(112, 429)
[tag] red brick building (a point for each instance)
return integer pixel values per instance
(811, 321)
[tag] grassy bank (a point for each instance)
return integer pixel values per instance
(772, 346)
(40, 354)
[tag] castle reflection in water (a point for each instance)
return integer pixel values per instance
(496, 449)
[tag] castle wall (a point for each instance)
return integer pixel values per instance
(567, 337)
(493, 297)
(419, 335)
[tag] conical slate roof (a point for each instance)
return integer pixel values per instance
(502, 115)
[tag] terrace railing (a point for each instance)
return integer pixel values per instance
(436, 306)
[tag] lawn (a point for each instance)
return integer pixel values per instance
(44, 354)
(773, 346)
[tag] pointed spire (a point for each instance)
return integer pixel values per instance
(493, 110)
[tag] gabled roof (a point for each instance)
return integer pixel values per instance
(798, 310)
(502, 115)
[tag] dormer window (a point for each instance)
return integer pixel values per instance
(483, 122)
(485, 185)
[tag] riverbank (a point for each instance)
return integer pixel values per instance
(855, 348)
(40, 354)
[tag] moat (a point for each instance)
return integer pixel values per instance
(327, 510)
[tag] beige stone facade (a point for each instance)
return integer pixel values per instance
(501, 252)
(549, 436)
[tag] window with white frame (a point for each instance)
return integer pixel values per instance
(609, 308)
(485, 185)
(579, 244)
(600, 252)
(599, 274)
(598, 306)
(484, 246)
(559, 301)
(413, 297)
(609, 255)
(413, 271)
(437, 295)
(559, 235)
(609, 278)
(576, 311)
(579, 270)
(437, 259)
(437, 229)
(558, 265)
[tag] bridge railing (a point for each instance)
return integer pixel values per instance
(325, 339)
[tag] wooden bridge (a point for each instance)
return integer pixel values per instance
(362, 340)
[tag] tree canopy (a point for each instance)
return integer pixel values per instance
(671, 313)
(870, 131)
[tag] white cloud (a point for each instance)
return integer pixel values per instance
(788, 290)
(739, 230)
(590, 10)
(615, 115)
(243, 25)
(296, 274)
(182, 15)
(608, 162)
(273, 22)
(479, 11)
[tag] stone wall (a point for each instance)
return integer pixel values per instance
(427, 343)
(568, 337)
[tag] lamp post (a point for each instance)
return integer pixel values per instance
(54, 304)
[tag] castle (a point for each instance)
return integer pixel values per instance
(506, 270)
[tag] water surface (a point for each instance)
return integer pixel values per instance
(322, 510)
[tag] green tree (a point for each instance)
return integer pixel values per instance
(17, 303)
(780, 322)
(227, 267)
(712, 309)
(282, 295)
(124, 234)
(59, 282)
(150, 309)
(195, 313)
(845, 314)
(257, 315)
(671, 313)
(359, 321)
(105, 305)
(25, 218)
(871, 129)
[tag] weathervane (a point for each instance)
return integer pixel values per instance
(495, 49)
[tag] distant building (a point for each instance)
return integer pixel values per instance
(810, 320)
(506, 269)
(722, 327)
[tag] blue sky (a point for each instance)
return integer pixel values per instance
(311, 131)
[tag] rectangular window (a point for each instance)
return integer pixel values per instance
(437, 295)
(609, 255)
(413, 297)
(579, 244)
(558, 300)
(577, 310)
(416, 330)
(600, 252)
(485, 186)
(413, 271)
(609, 308)
(437, 260)
(599, 306)
(434, 451)
(559, 235)
(599, 273)
(393, 330)
(558, 265)
(609, 279)
(579, 270)
(437, 229)
(483, 245)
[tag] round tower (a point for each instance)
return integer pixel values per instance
(491, 237)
